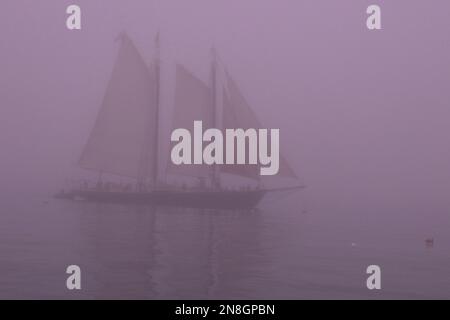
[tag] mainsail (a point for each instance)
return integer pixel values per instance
(237, 113)
(193, 101)
(121, 141)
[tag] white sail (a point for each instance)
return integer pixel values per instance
(122, 140)
(237, 113)
(193, 101)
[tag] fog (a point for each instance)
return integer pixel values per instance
(363, 114)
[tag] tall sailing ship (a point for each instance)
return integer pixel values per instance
(125, 139)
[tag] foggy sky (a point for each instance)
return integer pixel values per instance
(364, 116)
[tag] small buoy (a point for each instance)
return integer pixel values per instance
(429, 242)
(353, 244)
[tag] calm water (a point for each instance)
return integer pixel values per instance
(159, 253)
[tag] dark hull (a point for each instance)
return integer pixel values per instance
(220, 199)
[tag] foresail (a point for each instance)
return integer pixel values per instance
(193, 101)
(121, 141)
(237, 113)
(285, 169)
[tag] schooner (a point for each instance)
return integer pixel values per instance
(133, 98)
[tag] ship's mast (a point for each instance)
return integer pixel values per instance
(215, 174)
(157, 64)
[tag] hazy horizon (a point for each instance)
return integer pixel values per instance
(363, 116)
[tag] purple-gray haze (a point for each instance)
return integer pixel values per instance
(364, 118)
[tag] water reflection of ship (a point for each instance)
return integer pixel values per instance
(171, 252)
(125, 139)
(211, 253)
(121, 250)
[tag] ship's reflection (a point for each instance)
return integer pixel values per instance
(159, 252)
